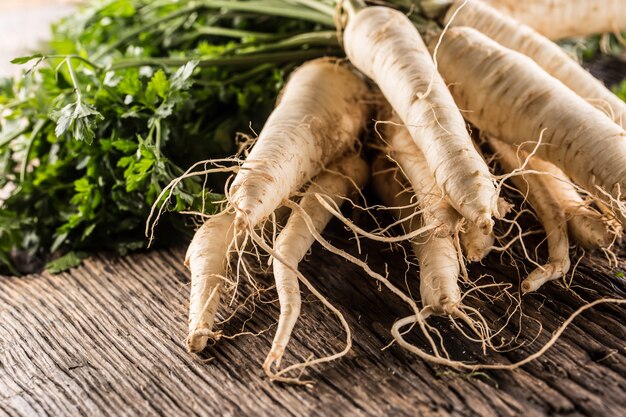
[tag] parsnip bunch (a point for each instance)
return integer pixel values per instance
(554, 130)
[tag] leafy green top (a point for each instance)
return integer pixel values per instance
(130, 93)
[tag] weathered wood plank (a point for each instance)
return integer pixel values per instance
(108, 338)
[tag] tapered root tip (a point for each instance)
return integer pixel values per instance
(196, 344)
(540, 276)
(449, 307)
(485, 224)
(537, 278)
(197, 340)
(445, 306)
(475, 255)
(273, 359)
(530, 286)
(241, 223)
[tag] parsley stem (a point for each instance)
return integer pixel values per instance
(227, 33)
(324, 38)
(317, 5)
(260, 7)
(241, 60)
(266, 8)
(77, 57)
(157, 138)
(79, 95)
(148, 27)
(352, 7)
(239, 77)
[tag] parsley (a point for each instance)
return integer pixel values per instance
(128, 94)
(65, 262)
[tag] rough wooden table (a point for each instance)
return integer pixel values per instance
(107, 339)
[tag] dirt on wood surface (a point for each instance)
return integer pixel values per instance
(107, 338)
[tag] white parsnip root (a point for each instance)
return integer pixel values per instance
(508, 96)
(586, 225)
(385, 46)
(549, 211)
(516, 36)
(439, 274)
(319, 115)
(558, 19)
(560, 135)
(207, 259)
(436, 255)
(476, 245)
(293, 242)
(434, 206)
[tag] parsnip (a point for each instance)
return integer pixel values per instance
(436, 255)
(507, 95)
(476, 245)
(207, 259)
(319, 115)
(522, 38)
(558, 19)
(295, 239)
(586, 226)
(431, 200)
(385, 45)
(549, 211)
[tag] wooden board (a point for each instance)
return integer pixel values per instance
(108, 339)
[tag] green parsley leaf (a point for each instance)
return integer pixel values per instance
(65, 262)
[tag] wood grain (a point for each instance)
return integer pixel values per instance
(107, 339)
